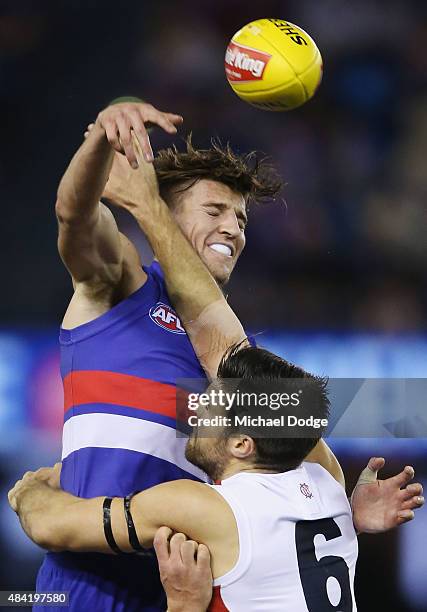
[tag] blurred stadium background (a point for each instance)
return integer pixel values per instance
(334, 279)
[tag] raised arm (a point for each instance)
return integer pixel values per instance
(89, 241)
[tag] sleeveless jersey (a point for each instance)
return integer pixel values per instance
(298, 547)
(119, 374)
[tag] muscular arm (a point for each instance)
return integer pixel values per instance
(56, 520)
(88, 241)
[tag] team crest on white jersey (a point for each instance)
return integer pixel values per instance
(164, 316)
(305, 490)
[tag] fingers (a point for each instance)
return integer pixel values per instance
(12, 495)
(411, 490)
(47, 473)
(369, 474)
(404, 516)
(203, 557)
(121, 140)
(124, 126)
(412, 497)
(175, 119)
(175, 547)
(142, 137)
(119, 120)
(405, 476)
(11, 498)
(188, 552)
(178, 549)
(140, 154)
(161, 543)
(111, 131)
(43, 471)
(413, 503)
(54, 479)
(163, 120)
(89, 129)
(375, 464)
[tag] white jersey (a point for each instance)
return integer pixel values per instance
(298, 546)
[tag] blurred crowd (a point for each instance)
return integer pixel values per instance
(344, 248)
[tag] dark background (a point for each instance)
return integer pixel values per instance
(345, 255)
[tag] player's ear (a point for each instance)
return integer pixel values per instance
(241, 446)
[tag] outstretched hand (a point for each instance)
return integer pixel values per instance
(380, 505)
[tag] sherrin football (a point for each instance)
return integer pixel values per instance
(273, 64)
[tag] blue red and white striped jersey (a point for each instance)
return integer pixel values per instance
(119, 373)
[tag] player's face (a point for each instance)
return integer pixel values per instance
(213, 218)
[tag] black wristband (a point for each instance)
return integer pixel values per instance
(108, 532)
(133, 538)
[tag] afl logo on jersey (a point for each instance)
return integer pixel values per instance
(165, 317)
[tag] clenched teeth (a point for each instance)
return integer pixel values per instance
(221, 248)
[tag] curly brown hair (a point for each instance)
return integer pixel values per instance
(249, 174)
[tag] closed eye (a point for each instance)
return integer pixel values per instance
(215, 210)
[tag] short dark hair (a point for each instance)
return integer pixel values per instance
(249, 174)
(255, 367)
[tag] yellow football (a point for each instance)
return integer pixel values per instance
(273, 64)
